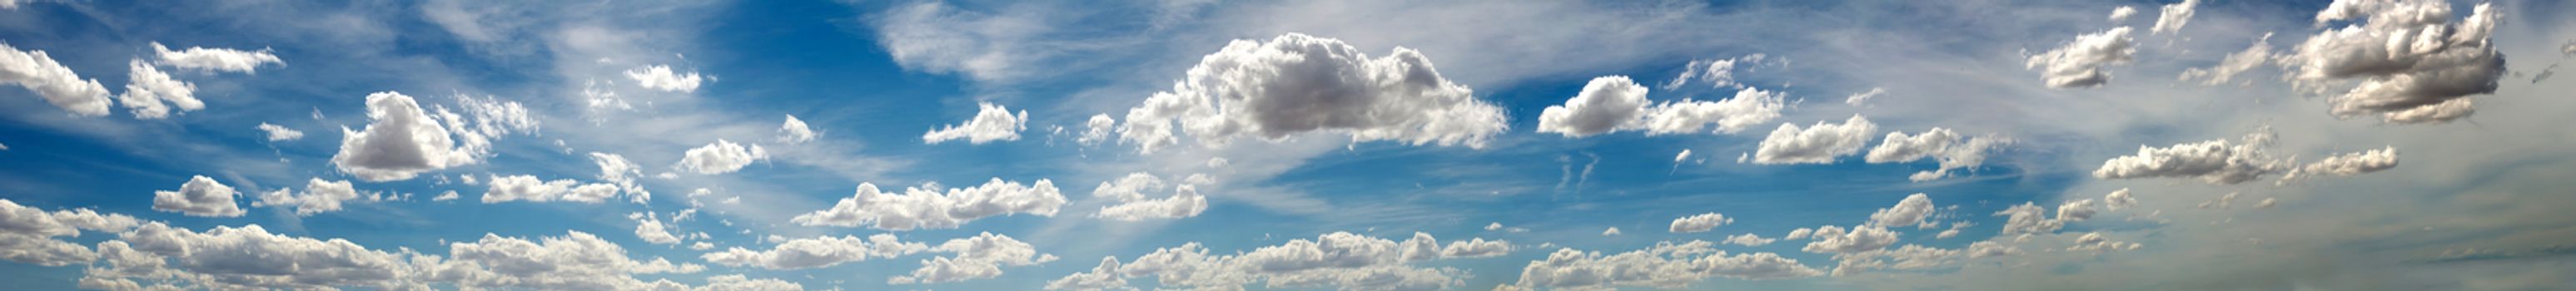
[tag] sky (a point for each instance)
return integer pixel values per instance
(1287, 145)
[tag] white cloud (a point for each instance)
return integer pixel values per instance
(1610, 232)
(2028, 218)
(280, 133)
(576, 260)
(1856, 99)
(1750, 240)
(2414, 63)
(2076, 210)
(214, 59)
(147, 89)
(2348, 164)
(1940, 144)
(2081, 63)
(1814, 145)
(817, 252)
(37, 71)
(2119, 199)
(1103, 277)
(27, 233)
(2235, 63)
(1664, 266)
(1476, 248)
(1699, 223)
(978, 257)
(2122, 14)
(794, 131)
(1338, 260)
(319, 196)
(1097, 130)
(1800, 233)
(660, 77)
(1607, 103)
(1832, 239)
(721, 157)
(2214, 161)
(993, 122)
(1297, 83)
(615, 169)
(928, 207)
(1718, 73)
(651, 229)
(529, 188)
(403, 140)
(1910, 211)
(1749, 107)
(1132, 205)
(201, 196)
(2175, 16)
(250, 257)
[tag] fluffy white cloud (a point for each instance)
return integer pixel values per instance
(2214, 161)
(1664, 266)
(2119, 199)
(615, 169)
(993, 122)
(817, 252)
(794, 131)
(27, 233)
(978, 257)
(1910, 211)
(1940, 144)
(319, 196)
(1699, 223)
(1297, 83)
(2122, 13)
(660, 77)
(1337, 260)
(650, 228)
(1814, 145)
(2175, 16)
(2082, 63)
(1833, 239)
(214, 59)
(403, 140)
(2414, 63)
(1103, 277)
(1097, 130)
(1614, 103)
(2347, 164)
(575, 261)
(2028, 218)
(928, 207)
(2235, 63)
(1132, 205)
(1613, 231)
(1718, 73)
(250, 257)
(280, 133)
(529, 188)
(1857, 99)
(57, 84)
(1750, 240)
(721, 157)
(201, 196)
(147, 89)
(1475, 248)
(2076, 210)
(1749, 107)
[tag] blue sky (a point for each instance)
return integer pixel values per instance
(1286, 145)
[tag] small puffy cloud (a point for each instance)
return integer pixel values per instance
(2175, 16)
(1910, 211)
(2235, 63)
(403, 140)
(1103, 277)
(150, 93)
(1749, 107)
(2122, 14)
(650, 228)
(2215, 161)
(2083, 62)
(1097, 130)
(1818, 144)
(1856, 99)
(1718, 73)
(280, 133)
(319, 196)
(2119, 199)
(1699, 223)
(214, 59)
(929, 206)
(1800, 233)
(201, 196)
(1476, 248)
(1664, 266)
(1133, 205)
(1605, 104)
(1750, 240)
(35, 70)
(2414, 63)
(2028, 218)
(1610, 232)
(817, 252)
(1338, 260)
(992, 123)
(1952, 150)
(721, 157)
(1832, 239)
(1296, 84)
(1614, 103)
(529, 188)
(660, 77)
(977, 257)
(2077, 210)
(794, 131)
(2347, 164)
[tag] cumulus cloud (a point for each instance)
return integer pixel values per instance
(1818, 144)
(660, 77)
(1614, 103)
(576, 260)
(928, 207)
(150, 93)
(2235, 63)
(1133, 205)
(2083, 62)
(27, 234)
(1338, 260)
(1910, 211)
(280, 133)
(1613, 231)
(977, 257)
(1750, 240)
(993, 122)
(2413, 63)
(2175, 16)
(795, 132)
(1832, 239)
(201, 196)
(1719, 73)
(1699, 223)
(34, 70)
(650, 228)
(2119, 199)
(1749, 107)
(817, 252)
(1296, 84)
(529, 188)
(1952, 150)
(214, 59)
(2122, 13)
(2347, 164)
(615, 169)
(2215, 161)
(2028, 218)
(1476, 248)
(1665, 266)
(251, 257)
(721, 157)
(319, 196)
(1102, 277)
(403, 140)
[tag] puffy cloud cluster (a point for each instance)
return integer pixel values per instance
(2029, 218)
(992, 123)
(1296, 84)
(1337, 260)
(1614, 103)
(1699, 223)
(1819, 144)
(2122, 13)
(201, 196)
(2414, 63)
(2175, 16)
(978, 257)
(660, 77)
(2084, 62)
(1949, 148)
(575, 261)
(34, 70)
(794, 131)
(1665, 266)
(147, 89)
(2118, 199)
(928, 206)
(1132, 205)
(720, 157)
(214, 59)
(2347, 164)
(615, 169)
(280, 133)
(649, 226)
(403, 140)
(319, 196)
(817, 252)
(529, 188)
(27, 234)
(1911, 211)
(1833, 239)
(1750, 240)
(2215, 161)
